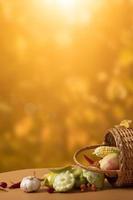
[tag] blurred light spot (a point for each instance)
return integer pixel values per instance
(47, 2)
(66, 4)
(23, 127)
(116, 90)
(46, 134)
(116, 71)
(126, 57)
(77, 86)
(102, 76)
(93, 99)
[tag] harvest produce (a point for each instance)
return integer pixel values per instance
(60, 169)
(64, 182)
(49, 179)
(94, 178)
(110, 162)
(74, 178)
(85, 178)
(67, 178)
(30, 184)
(103, 151)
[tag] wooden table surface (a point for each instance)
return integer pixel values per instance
(16, 194)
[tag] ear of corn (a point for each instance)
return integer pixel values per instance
(124, 123)
(105, 150)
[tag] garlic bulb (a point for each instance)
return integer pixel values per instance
(30, 184)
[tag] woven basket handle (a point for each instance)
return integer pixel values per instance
(92, 168)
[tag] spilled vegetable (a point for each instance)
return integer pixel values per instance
(15, 185)
(66, 179)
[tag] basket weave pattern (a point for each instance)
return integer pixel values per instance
(123, 139)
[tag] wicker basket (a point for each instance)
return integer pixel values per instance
(122, 138)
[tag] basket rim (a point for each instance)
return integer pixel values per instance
(91, 168)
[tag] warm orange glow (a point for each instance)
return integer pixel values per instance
(66, 4)
(65, 77)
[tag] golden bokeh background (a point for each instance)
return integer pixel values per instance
(66, 76)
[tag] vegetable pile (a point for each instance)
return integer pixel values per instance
(68, 178)
(110, 157)
(72, 177)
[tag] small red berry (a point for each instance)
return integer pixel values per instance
(15, 185)
(93, 187)
(88, 186)
(3, 184)
(50, 190)
(82, 187)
